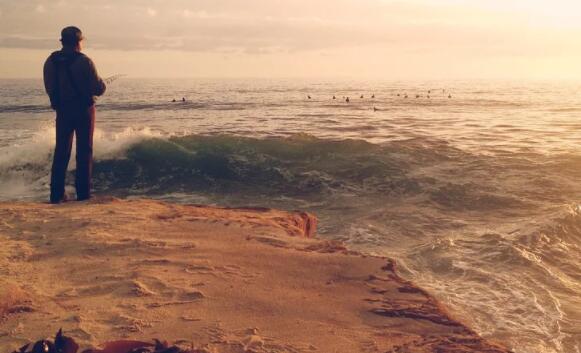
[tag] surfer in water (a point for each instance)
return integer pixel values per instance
(71, 82)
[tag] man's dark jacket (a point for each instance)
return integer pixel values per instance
(82, 70)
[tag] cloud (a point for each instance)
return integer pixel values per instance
(266, 26)
(27, 42)
(201, 14)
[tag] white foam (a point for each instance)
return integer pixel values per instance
(38, 149)
(113, 145)
(25, 166)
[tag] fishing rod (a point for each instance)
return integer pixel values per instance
(113, 78)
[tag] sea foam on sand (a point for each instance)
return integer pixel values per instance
(218, 279)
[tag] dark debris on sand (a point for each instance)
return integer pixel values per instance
(64, 344)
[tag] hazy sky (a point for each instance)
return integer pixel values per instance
(384, 39)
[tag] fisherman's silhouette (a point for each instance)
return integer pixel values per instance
(72, 82)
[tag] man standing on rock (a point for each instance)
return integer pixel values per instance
(71, 81)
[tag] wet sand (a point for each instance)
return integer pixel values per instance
(220, 280)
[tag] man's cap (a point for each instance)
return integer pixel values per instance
(71, 35)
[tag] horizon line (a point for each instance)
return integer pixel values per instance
(323, 78)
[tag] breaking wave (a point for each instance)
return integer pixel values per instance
(463, 224)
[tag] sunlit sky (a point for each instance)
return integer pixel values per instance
(383, 39)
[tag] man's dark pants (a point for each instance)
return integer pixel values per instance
(73, 119)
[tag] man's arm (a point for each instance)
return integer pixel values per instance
(96, 84)
(49, 77)
(51, 82)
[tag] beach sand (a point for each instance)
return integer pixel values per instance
(220, 280)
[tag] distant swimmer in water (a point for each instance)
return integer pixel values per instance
(428, 96)
(309, 97)
(375, 109)
(347, 99)
(173, 100)
(418, 96)
(183, 99)
(373, 96)
(449, 96)
(361, 97)
(398, 94)
(334, 97)
(405, 96)
(429, 91)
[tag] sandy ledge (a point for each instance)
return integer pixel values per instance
(224, 280)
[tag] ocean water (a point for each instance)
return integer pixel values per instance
(477, 196)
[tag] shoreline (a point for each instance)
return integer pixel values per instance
(218, 279)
